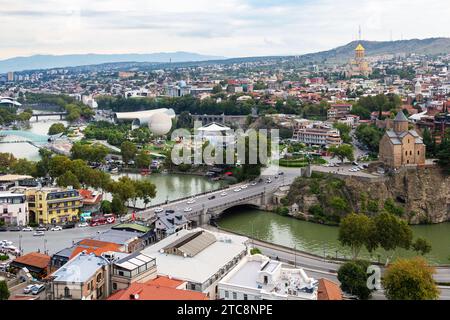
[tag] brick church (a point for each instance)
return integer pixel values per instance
(401, 146)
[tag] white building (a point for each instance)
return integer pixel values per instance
(257, 277)
(199, 257)
(14, 209)
(216, 133)
(317, 134)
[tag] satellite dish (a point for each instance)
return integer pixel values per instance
(160, 124)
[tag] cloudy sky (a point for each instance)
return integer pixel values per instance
(217, 27)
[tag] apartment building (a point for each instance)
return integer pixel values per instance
(337, 111)
(14, 209)
(317, 134)
(52, 205)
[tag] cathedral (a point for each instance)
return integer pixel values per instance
(401, 146)
(358, 66)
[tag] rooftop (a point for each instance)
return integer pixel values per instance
(34, 259)
(328, 290)
(271, 278)
(204, 264)
(79, 269)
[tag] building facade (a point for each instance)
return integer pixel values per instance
(53, 205)
(359, 66)
(401, 146)
(317, 134)
(14, 210)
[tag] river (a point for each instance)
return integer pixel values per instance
(38, 130)
(320, 239)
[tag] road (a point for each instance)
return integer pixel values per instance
(202, 202)
(52, 241)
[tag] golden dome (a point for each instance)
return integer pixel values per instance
(360, 48)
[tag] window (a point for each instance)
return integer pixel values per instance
(234, 296)
(418, 152)
(245, 297)
(410, 153)
(406, 153)
(114, 286)
(66, 292)
(227, 295)
(99, 277)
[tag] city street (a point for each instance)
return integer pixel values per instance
(52, 241)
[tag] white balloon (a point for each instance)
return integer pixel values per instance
(160, 124)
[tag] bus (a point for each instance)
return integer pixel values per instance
(105, 219)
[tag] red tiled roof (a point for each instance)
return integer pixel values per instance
(328, 290)
(95, 246)
(34, 259)
(89, 197)
(145, 291)
(165, 282)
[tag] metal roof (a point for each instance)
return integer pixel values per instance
(193, 243)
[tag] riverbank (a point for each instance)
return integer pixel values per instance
(322, 240)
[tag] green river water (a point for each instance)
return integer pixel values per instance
(320, 239)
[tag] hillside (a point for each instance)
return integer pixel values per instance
(58, 61)
(375, 48)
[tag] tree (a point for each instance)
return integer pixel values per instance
(105, 207)
(255, 251)
(353, 278)
(56, 128)
(342, 152)
(68, 179)
(145, 190)
(344, 131)
(124, 189)
(390, 232)
(422, 246)
(4, 292)
(128, 150)
(410, 279)
(117, 205)
(143, 160)
(354, 231)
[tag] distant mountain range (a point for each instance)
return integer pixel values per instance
(71, 60)
(429, 46)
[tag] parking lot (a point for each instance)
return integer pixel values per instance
(344, 169)
(52, 241)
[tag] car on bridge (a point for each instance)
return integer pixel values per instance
(191, 201)
(212, 197)
(223, 194)
(237, 189)
(157, 210)
(254, 183)
(244, 186)
(188, 209)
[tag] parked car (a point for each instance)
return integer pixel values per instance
(159, 210)
(14, 229)
(268, 181)
(188, 209)
(56, 228)
(212, 197)
(68, 225)
(170, 211)
(27, 229)
(28, 288)
(37, 289)
(237, 190)
(254, 183)
(3, 229)
(223, 194)
(83, 224)
(41, 228)
(244, 186)
(39, 233)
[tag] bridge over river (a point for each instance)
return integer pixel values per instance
(211, 205)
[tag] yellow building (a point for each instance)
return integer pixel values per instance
(359, 66)
(401, 146)
(53, 205)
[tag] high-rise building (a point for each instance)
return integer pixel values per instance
(10, 76)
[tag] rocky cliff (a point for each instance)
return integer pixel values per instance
(417, 195)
